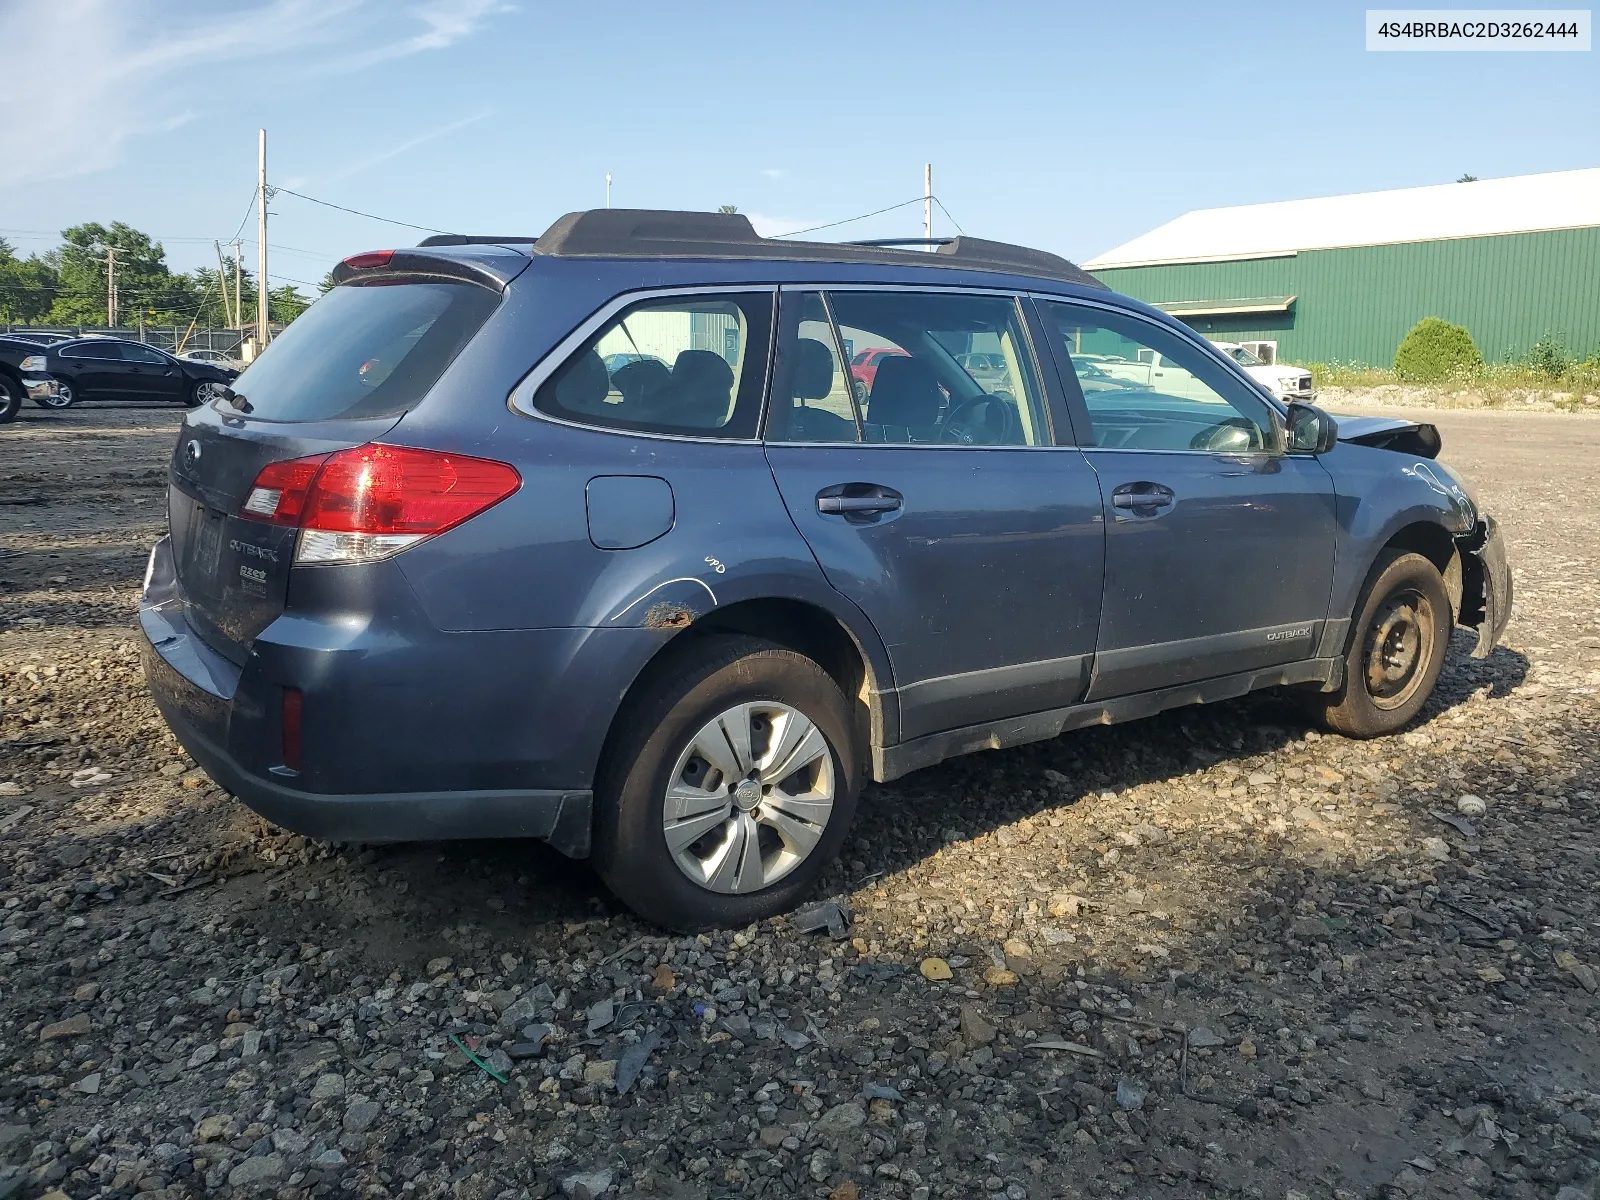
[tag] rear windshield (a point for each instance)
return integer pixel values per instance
(364, 350)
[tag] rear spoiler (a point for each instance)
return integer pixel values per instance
(485, 269)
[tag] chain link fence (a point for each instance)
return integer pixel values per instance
(165, 337)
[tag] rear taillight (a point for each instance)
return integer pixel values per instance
(280, 491)
(370, 502)
(289, 726)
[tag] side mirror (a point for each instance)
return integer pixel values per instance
(1310, 430)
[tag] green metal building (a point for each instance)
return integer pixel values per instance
(1342, 278)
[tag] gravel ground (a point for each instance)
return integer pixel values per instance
(1211, 953)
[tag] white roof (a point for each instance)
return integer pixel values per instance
(1521, 204)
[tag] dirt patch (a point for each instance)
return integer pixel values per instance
(1372, 999)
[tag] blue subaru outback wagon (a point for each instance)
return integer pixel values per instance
(597, 538)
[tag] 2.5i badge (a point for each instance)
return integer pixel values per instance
(254, 580)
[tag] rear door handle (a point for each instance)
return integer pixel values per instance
(1142, 499)
(857, 504)
(858, 500)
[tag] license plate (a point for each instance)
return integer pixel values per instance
(207, 542)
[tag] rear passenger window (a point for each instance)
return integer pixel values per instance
(689, 365)
(812, 401)
(940, 367)
(935, 367)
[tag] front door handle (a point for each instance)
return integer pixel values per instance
(1143, 499)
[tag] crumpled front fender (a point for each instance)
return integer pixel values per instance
(1486, 594)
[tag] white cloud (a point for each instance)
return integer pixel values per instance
(124, 66)
(136, 70)
(446, 21)
(774, 172)
(412, 143)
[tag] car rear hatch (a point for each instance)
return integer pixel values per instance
(341, 376)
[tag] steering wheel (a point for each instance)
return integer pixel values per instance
(972, 422)
(1236, 435)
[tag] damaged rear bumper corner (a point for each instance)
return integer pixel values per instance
(1486, 594)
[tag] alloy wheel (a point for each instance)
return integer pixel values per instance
(62, 399)
(749, 797)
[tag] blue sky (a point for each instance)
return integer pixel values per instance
(1068, 126)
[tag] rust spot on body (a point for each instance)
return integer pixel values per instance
(667, 616)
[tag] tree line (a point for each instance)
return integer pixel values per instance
(67, 284)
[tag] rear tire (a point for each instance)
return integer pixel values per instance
(758, 823)
(10, 399)
(1396, 648)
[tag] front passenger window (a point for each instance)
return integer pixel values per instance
(1147, 388)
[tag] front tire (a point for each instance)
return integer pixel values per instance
(1396, 648)
(10, 399)
(728, 786)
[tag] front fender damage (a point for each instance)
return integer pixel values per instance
(1485, 584)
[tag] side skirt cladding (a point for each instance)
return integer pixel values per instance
(891, 762)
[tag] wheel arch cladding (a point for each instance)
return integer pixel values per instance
(796, 625)
(1436, 544)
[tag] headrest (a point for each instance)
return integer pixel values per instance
(905, 392)
(642, 381)
(583, 383)
(813, 370)
(702, 386)
(703, 369)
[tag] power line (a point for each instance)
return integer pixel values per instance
(358, 213)
(246, 217)
(849, 220)
(947, 215)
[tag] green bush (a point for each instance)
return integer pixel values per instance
(1436, 350)
(1549, 357)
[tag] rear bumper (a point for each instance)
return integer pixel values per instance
(410, 733)
(560, 818)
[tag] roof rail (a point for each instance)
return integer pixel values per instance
(474, 239)
(651, 233)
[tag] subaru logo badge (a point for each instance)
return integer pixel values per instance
(191, 452)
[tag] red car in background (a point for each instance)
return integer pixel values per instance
(864, 366)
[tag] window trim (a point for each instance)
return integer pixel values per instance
(520, 399)
(1017, 298)
(117, 357)
(844, 365)
(149, 349)
(1079, 409)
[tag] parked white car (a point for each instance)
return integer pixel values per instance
(215, 357)
(1284, 382)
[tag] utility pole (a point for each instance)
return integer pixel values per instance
(222, 282)
(608, 189)
(238, 285)
(261, 243)
(111, 287)
(927, 202)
